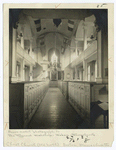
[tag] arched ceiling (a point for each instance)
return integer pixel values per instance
(47, 26)
(41, 20)
(74, 14)
(39, 23)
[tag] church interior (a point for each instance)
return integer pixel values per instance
(58, 69)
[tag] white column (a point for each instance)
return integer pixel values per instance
(14, 51)
(84, 70)
(22, 70)
(99, 58)
(31, 71)
(85, 37)
(22, 38)
(95, 70)
(104, 55)
(75, 73)
(81, 74)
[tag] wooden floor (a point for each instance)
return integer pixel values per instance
(56, 113)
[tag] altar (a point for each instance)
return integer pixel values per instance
(54, 75)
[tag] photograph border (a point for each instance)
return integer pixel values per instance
(57, 138)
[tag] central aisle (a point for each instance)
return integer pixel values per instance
(55, 113)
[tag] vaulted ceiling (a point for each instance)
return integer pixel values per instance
(46, 17)
(51, 27)
(48, 26)
(41, 20)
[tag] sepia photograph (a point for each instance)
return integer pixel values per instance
(58, 75)
(58, 69)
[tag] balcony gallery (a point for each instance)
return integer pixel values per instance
(58, 69)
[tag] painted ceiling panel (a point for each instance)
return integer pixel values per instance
(47, 26)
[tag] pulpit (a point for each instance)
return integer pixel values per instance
(54, 76)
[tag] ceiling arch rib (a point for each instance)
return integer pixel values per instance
(25, 21)
(47, 25)
(62, 32)
(89, 24)
(53, 48)
(67, 28)
(46, 33)
(40, 27)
